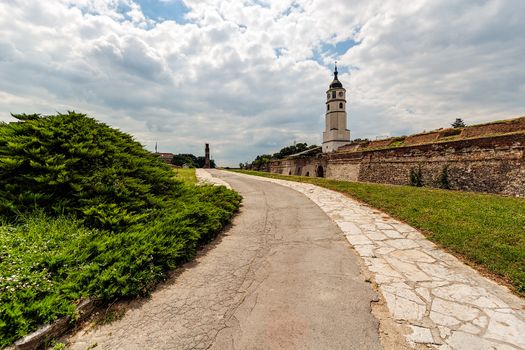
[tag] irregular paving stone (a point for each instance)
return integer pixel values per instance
(411, 271)
(404, 303)
(470, 328)
(468, 294)
(404, 309)
(420, 335)
(383, 226)
(412, 256)
(358, 239)
(392, 234)
(460, 311)
(422, 284)
(481, 321)
(465, 341)
(350, 228)
(444, 332)
(365, 250)
(444, 320)
(424, 293)
(402, 243)
(506, 327)
(376, 236)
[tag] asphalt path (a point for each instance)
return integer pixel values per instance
(283, 276)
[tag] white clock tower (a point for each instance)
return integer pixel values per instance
(336, 134)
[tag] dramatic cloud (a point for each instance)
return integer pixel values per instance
(249, 76)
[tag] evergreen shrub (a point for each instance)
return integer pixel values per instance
(86, 211)
(416, 177)
(444, 181)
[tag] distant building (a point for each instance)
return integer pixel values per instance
(165, 157)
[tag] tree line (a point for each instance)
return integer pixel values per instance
(190, 160)
(261, 161)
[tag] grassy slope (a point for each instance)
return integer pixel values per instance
(188, 175)
(488, 230)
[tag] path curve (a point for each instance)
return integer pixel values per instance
(445, 304)
(282, 277)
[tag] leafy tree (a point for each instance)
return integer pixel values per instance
(185, 159)
(191, 161)
(293, 149)
(201, 160)
(262, 160)
(458, 123)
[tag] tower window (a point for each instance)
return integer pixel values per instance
(341, 105)
(328, 107)
(333, 94)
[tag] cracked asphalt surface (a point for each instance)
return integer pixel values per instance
(282, 277)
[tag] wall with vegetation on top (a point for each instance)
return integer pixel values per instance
(492, 164)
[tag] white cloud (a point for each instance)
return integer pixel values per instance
(249, 76)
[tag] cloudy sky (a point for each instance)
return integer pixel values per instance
(249, 76)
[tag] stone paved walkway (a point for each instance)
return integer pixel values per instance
(203, 176)
(446, 304)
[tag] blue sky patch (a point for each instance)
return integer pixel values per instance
(164, 10)
(343, 46)
(332, 51)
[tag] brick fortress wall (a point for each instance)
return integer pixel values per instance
(483, 158)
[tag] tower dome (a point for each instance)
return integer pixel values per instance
(336, 84)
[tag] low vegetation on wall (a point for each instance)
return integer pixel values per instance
(486, 230)
(86, 211)
(458, 132)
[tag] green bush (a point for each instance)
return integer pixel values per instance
(72, 164)
(86, 211)
(444, 181)
(416, 177)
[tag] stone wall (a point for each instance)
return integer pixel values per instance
(344, 168)
(493, 164)
(304, 166)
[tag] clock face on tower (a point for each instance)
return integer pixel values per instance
(328, 96)
(341, 94)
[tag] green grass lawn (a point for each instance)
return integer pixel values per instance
(188, 175)
(488, 230)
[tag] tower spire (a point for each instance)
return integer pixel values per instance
(336, 83)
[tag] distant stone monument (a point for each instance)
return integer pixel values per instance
(207, 157)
